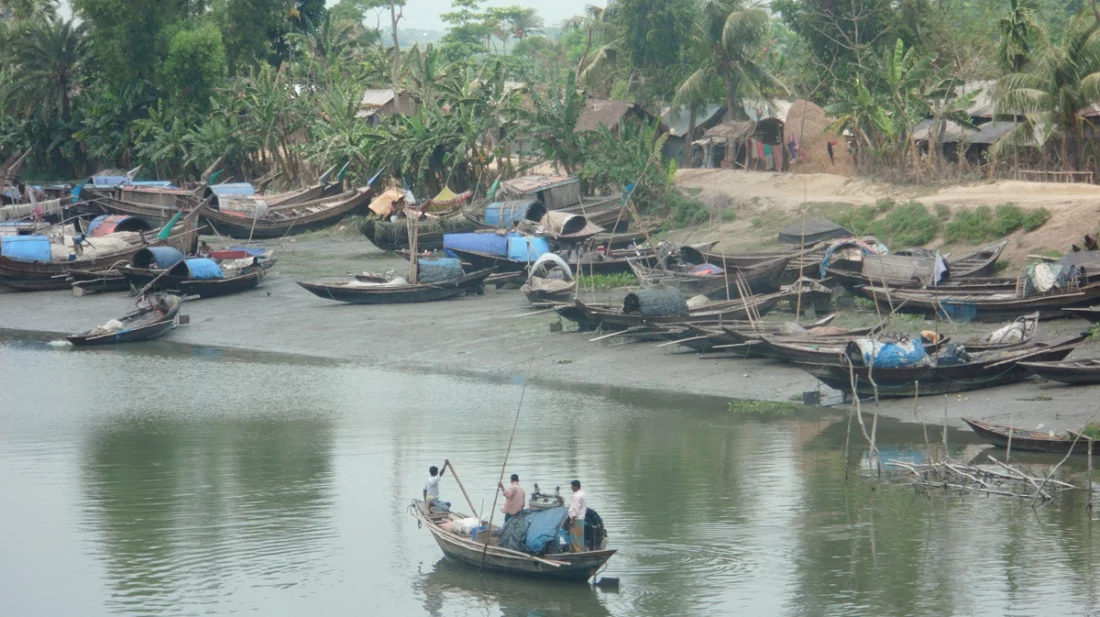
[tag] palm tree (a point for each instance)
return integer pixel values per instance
(1060, 81)
(729, 38)
(1020, 30)
(49, 65)
(525, 23)
(19, 10)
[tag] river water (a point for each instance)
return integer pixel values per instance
(164, 479)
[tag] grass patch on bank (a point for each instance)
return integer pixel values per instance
(898, 225)
(606, 281)
(763, 408)
(1092, 431)
(982, 224)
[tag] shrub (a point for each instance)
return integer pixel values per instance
(684, 211)
(857, 220)
(728, 216)
(606, 281)
(907, 225)
(983, 225)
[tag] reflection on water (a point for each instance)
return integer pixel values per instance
(181, 481)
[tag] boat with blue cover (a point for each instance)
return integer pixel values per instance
(540, 556)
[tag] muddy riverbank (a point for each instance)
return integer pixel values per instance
(497, 335)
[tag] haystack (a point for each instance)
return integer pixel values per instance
(807, 122)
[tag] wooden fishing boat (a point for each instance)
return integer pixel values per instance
(981, 307)
(88, 281)
(587, 265)
(1085, 371)
(550, 281)
(399, 294)
(614, 319)
(1029, 324)
(985, 371)
(279, 221)
(485, 554)
(144, 324)
(762, 277)
(982, 262)
(1030, 441)
(156, 205)
(392, 236)
(46, 275)
(1090, 313)
(181, 283)
(816, 350)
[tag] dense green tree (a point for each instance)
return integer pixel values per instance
(125, 33)
(468, 31)
(1020, 31)
(19, 10)
(49, 68)
(194, 66)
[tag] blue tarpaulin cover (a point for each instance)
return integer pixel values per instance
(233, 188)
(163, 256)
(891, 354)
(491, 243)
(542, 527)
(109, 181)
(439, 270)
(205, 269)
(25, 248)
(506, 214)
(527, 248)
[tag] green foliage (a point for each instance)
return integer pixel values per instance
(728, 216)
(631, 156)
(1091, 431)
(907, 225)
(763, 408)
(194, 66)
(606, 281)
(685, 211)
(982, 224)
(1094, 335)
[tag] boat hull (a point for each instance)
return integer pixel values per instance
(145, 332)
(1076, 373)
(471, 283)
(902, 382)
(1029, 441)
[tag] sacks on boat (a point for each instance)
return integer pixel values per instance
(113, 325)
(1042, 277)
(466, 525)
(952, 354)
(906, 351)
(1012, 333)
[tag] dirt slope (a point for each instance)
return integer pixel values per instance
(763, 203)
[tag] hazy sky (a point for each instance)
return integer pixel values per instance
(425, 13)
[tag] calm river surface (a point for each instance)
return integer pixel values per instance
(174, 480)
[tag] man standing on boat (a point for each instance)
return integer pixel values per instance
(431, 491)
(578, 510)
(514, 499)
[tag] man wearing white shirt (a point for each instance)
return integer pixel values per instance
(578, 509)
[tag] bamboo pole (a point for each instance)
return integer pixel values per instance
(447, 464)
(801, 257)
(504, 465)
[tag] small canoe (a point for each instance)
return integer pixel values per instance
(145, 324)
(487, 555)
(1085, 371)
(398, 294)
(981, 262)
(1029, 441)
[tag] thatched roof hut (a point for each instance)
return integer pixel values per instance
(806, 123)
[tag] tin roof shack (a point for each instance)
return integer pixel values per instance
(678, 122)
(611, 114)
(555, 192)
(378, 104)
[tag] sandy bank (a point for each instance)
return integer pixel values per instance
(493, 335)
